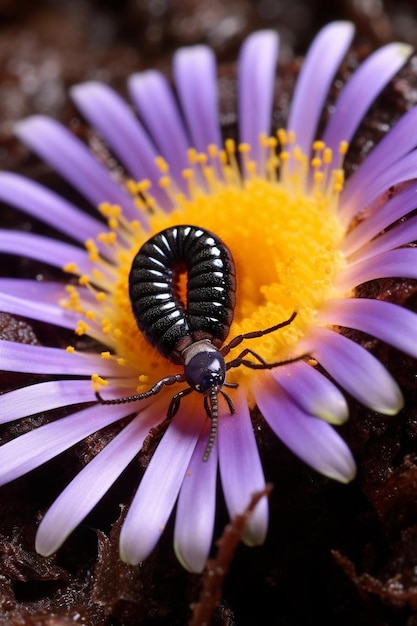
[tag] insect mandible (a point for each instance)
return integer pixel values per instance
(191, 333)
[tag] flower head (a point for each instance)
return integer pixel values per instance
(302, 240)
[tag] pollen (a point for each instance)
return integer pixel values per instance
(279, 219)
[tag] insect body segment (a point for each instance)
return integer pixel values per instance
(168, 323)
(190, 330)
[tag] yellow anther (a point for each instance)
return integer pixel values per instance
(212, 150)
(192, 155)
(282, 136)
(81, 328)
(230, 146)
(90, 315)
(143, 379)
(104, 208)
(96, 273)
(121, 361)
(187, 174)
(100, 296)
(319, 145)
(291, 136)
(98, 382)
(71, 268)
(105, 354)
(132, 187)
(328, 156)
(343, 147)
(113, 223)
(144, 185)
(316, 162)
(263, 140)
(70, 349)
(164, 182)
(162, 165)
(84, 280)
(244, 148)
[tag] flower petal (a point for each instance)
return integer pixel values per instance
(355, 369)
(45, 249)
(375, 317)
(34, 448)
(108, 113)
(47, 206)
(196, 507)
(393, 146)
(391, 264)
(316, 75)
(38, 310)
(398, 236)
(94, 480)
(393, 210)
(155, 102)
(195, 76)
(50, 395)
(361, 90)
(403, 170)
(147, 514)
(256, 74)
(70, 157)
(241, 470)
(19, 357)
(312, 391)
(311, 439)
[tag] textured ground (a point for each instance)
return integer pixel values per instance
(335, 554)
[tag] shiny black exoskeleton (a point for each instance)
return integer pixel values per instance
(190, 329)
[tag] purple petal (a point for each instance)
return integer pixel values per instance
(108, 113)
(401, 171)
(70, 157)
(160, 485)
(38, 310)
(361, 90)
(393, 210)
(45, 291)
(53, 252)
(396, 144)
(312, 391)
(35, 447)
(391, 264)
(398, 236)
(241, 470)
(43, 397)
(155, 102)
(196, 81)
(355, 369)
(311, 439)
(316, 75)
(47, 206)
(196, 507)
(19, 357)
(384, 320)
(256, 78)
(94, 480)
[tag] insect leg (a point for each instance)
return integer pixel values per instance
(262, 364)
(255, 334)
(156, 388)
(174, 405)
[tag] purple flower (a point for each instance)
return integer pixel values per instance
(301, 239)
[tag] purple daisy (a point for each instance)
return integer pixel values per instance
(316, 240)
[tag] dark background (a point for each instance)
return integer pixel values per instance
(335, 554)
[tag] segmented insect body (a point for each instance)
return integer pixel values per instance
(170, 324)
(190, 329)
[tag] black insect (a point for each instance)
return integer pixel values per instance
(190, 330)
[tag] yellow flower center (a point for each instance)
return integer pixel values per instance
(279, 220)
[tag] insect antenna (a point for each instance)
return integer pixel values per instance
(214, 411)
(156, 388)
